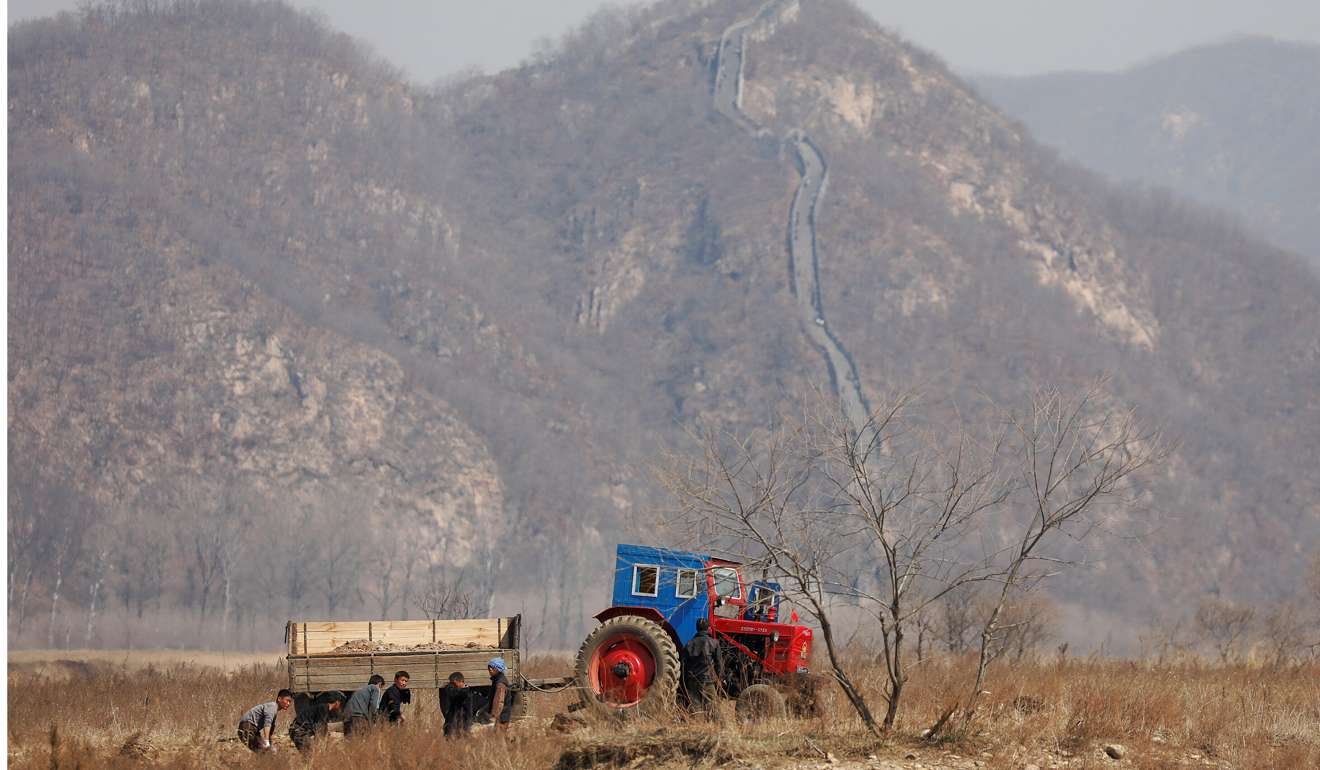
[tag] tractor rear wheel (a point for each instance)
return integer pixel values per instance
(759, 703)
(628, 666)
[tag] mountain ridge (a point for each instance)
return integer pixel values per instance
(1227, 124)
(577, 258)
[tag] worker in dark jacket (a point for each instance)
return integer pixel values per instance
(703, 667)
(391, 702)
(314, 721)
(459, 705)
(363, 706)
(257, 725)
(501, 694)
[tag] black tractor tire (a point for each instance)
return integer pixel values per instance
(660, 695)
(802, 692)
(760, 703)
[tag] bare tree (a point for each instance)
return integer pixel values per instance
(141, 552)
(911, 490)
(401, 549)
(63, 553)
(957, 619)
(201, 532)
(750, 497)
(1025, 623)
(1074, 458)
(25, 539)
(237, 511)
(337, 572)
(444, 597)
(99, 548)
(914, 506)
(1226, 624)
(1284, 630)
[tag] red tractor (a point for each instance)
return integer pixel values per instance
(632, 664)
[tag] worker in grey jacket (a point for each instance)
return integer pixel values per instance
(363, 706)
(256, 727)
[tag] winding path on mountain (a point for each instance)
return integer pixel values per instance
(803, 256)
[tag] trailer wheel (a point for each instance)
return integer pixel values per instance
(761, 702)
(628, 666)
(521, 706)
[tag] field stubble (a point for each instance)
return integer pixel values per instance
(112, 710)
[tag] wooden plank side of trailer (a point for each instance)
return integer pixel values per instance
(381, 662)
(314, 637)
(398, 661)
(313, 674)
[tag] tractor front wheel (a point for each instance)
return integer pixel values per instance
(627, 666)
(761, 702)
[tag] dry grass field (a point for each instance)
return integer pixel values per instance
(112, 710)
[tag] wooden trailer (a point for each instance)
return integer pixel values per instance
(341, 655)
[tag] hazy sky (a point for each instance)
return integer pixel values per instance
(433, 38)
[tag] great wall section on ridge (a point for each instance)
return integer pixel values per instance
(803, 255)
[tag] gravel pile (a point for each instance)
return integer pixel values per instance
(367, 645)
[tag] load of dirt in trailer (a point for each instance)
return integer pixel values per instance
(368, 645)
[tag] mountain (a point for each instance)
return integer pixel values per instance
(1231, 124)
(415, 335)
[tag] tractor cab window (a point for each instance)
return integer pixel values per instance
(685, 584)
(726, 583)
(646, 580)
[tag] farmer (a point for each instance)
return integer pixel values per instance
(257, 726)
(363, 706)
(391, 703)
(501, 695)
(458, 704)
(313, 721)
(703, 667)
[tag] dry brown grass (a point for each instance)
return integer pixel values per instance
(104, 714)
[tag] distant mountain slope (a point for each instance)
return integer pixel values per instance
(1232, 124)
(541, 277)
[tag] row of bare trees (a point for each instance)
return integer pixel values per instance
(199, 561)
(920, 505)
(1231, 631)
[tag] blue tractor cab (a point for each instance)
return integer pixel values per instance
(669, 581)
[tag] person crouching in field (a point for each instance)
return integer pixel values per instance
(363, 706)
(314, 721)
(458, 704)
(391, 703)
(257, 726)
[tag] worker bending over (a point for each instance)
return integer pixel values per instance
(257, 725)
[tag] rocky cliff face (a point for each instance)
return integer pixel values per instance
(247, 250)
(136, 362)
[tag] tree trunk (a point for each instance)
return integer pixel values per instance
(22, 599)
(54, 604)
(850, 691)
(95, 593)
(983, 660)
(224, 617)
(896, 678)
(405, 593)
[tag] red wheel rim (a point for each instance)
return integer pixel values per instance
(621, 670)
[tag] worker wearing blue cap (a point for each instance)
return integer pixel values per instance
(501, 695)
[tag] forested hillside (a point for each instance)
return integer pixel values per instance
(1231, 124)
(292, 336)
